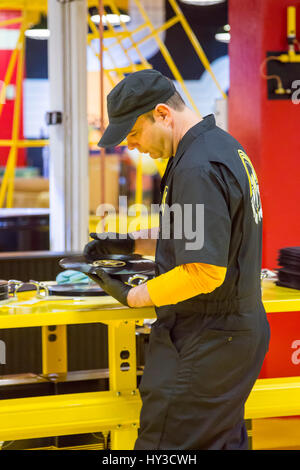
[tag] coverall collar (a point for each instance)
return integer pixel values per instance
(207, 123)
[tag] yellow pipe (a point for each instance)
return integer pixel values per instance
(11, 179)
(6, 177)
(195, 43)
(140, 28)
(126, 34)
(96, 33)
(291, 56)
(167, 56)
(116, 11)
(291, 22)
(108, 34)
(24, 143)
(120, 43)
(16, 116)
(164, 27)
(107, 74)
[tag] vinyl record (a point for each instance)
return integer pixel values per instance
(76, 290)
(127, 268)
(121, 264)
(287, 261)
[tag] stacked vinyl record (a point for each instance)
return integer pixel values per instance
(289, 273)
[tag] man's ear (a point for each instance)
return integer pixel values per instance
(163, 113)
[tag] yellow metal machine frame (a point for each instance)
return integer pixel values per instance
(116, 410)
(31, 11)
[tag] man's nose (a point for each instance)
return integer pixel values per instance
(130, 145)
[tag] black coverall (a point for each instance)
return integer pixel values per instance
(205, 353)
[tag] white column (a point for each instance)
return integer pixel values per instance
(69, 185)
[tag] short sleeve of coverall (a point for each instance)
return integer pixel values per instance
(206, 227)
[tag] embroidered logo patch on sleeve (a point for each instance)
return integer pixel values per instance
(253, 184)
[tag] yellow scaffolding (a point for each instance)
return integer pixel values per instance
(31, 11)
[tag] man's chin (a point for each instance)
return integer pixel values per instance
(156, 157)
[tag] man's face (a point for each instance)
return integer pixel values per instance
(153, 137)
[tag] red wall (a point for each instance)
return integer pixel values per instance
(268, 129)
(6, 117)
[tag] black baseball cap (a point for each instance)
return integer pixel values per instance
(136, 94)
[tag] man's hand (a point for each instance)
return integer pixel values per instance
(111, 286)
(130, 296)
(108, 243)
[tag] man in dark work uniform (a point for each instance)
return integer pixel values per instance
(211, 334)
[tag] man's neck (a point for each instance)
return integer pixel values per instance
(184, 121)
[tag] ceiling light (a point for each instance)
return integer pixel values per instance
(39, 30)
(111, 18)
(37, 33)
(202, 3)
(223, 34)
